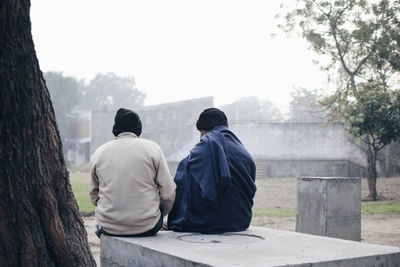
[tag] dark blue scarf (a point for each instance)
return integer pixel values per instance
(211, 170)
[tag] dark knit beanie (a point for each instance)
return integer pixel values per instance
(127, 121)
(211, 118)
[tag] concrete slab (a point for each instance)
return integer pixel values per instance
(257, 246)
(329, 206)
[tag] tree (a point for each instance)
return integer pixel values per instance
(361, 39)
(64, 93)
(109, 91)
(40, 223)
(372, 114)
(305, 106)
(252, 108)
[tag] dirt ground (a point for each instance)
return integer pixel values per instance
(94, 241)
(375, 228)
(381, 229)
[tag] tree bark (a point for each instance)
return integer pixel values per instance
(387, 160)
(372, 174)
(40, 223)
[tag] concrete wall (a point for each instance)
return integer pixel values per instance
(295, 149)
(298, 141)
(296, 168)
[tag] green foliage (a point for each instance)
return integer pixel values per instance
(367, 208)
(252, 108)
(381, 208)
(109, 91)
(372, 113)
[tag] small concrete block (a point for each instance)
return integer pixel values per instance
(257, 246)
(329, 206)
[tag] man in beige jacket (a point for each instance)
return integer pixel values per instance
(130, 181)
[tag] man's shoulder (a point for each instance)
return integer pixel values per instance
(148, 142)
(140, 140)
(149, 146)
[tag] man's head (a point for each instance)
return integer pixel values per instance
(211, 118)
(127, 121)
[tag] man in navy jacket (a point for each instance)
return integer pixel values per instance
(215, 183)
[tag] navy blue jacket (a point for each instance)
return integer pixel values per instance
(215, 186)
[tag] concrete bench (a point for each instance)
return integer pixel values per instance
(257, 246)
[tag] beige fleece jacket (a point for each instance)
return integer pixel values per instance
(130, 185)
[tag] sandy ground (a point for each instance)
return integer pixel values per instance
(381, 229)
(94, 241)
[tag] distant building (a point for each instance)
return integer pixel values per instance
(171, 125)
(77, 145)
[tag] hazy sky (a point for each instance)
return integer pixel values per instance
(176, 49)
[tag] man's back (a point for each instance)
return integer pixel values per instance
(215, 186)
(132, 180)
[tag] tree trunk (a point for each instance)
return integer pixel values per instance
(387, 160)
(40, 223)
(372, 174)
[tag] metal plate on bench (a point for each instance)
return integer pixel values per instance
(227, 238)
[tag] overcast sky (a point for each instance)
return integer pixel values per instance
(176, 49)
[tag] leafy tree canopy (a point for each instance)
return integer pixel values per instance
(361, 38)
(109, 91)
(65, 94)
(362, 41)
(305, 106)
(372, 113)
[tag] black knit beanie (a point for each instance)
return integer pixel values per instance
(211, 118)
(127, 121)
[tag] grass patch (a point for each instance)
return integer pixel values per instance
(370, 208)
(273, 212)
(269, 223)
(381, 208)
(81, 192)
(83, 177)
(80, 187)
